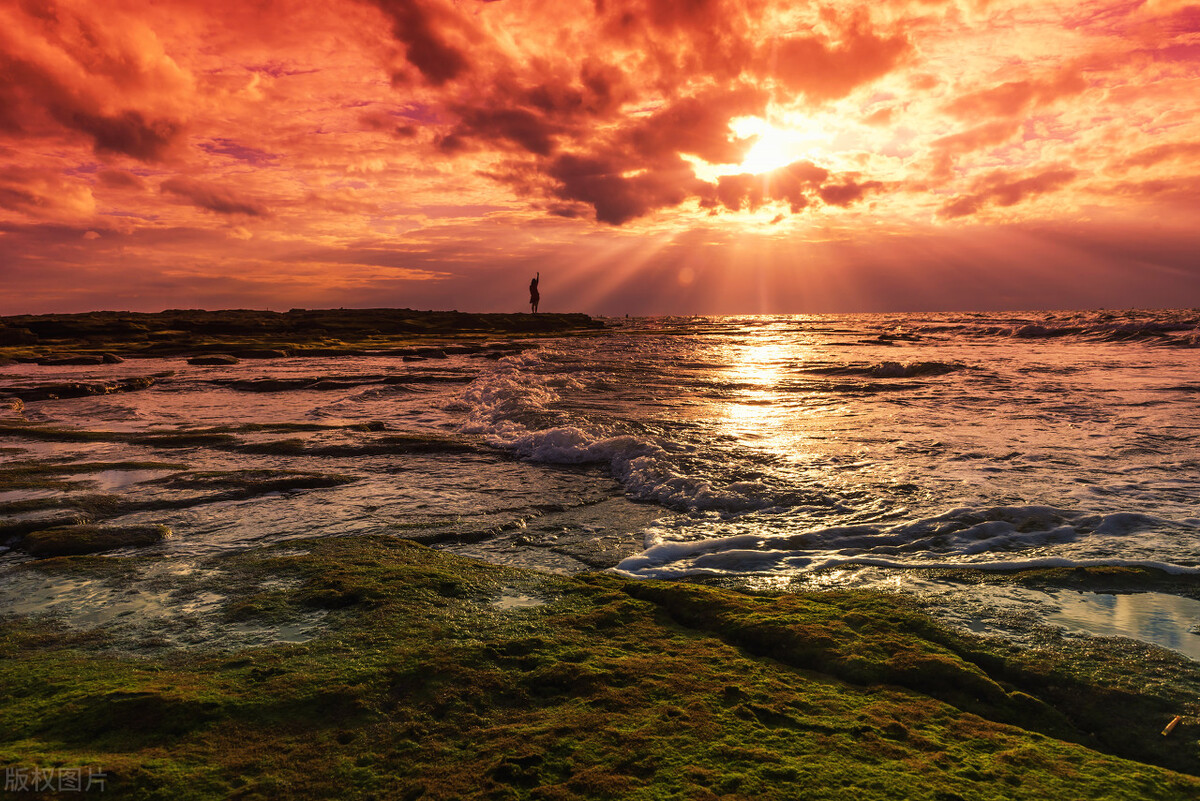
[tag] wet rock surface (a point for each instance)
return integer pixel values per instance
(85, 539)
(213, 360)
(76, 389)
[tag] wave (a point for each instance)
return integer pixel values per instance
(518, 410)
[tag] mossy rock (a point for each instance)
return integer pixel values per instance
(419, 686)
(214, 360)
(84, 539)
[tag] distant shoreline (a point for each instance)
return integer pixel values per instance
(299, 332)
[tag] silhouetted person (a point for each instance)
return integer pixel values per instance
(534, 297)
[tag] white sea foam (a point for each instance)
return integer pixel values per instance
(964, 537)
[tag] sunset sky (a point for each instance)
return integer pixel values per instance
(694, 156)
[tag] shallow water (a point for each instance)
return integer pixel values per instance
(727, 447)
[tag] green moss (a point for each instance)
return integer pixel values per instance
(422, 687)
(100, 568)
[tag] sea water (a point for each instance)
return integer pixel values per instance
(763, 448)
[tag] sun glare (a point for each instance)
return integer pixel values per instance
(770, 152)
(775, 147)
(775, 144)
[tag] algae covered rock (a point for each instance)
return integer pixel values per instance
(84, 539)
(213, 359)
(77, 389)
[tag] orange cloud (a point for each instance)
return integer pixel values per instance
(66, 67)
(1003, 189)
(1010, 98)
(214, 198)
(460, 139)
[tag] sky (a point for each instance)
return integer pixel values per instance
(645, 157)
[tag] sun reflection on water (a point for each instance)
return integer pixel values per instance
(758, 411)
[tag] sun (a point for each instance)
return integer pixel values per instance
(778, 143)
(773, 149)
(770, 152)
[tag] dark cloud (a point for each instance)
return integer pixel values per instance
(420, 26)
(1000, 188)
(678, 40)
(848, 192)
(533, 112)
(616, 195)
(129, 133)
(390, 123)
(697, 126)
(742, 191)
(798, 184)
(214, 198)
(224, 146)
(794, 184)
(1182, 192)
(119, 179)
(39, 96)
(506, 126)
(653, 81)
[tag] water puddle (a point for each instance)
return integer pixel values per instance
(113, 480)
(1167, 620)
(509, 601)
(138, 614)
(27, 494)
(1171, 621)
(1017, 613)
(294, 633)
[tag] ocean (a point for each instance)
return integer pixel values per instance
(770, 451)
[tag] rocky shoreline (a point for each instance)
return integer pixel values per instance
(376, 667)
(370, 665)
(104, 337)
